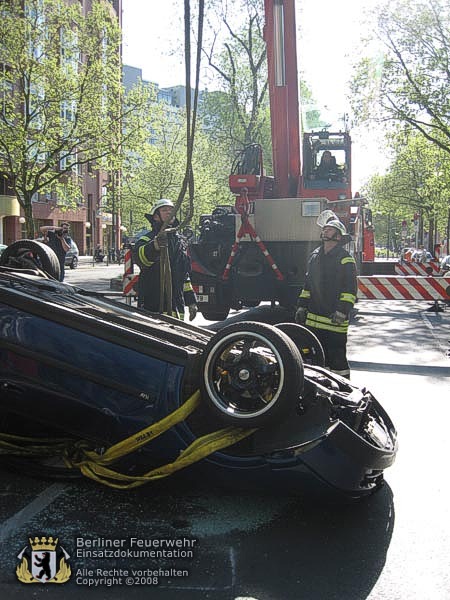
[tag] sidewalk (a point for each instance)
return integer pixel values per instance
(85, 259)
(88, 261)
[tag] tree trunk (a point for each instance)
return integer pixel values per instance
(431, 236)
(448, 231)
(29, 222)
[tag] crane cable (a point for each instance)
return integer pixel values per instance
(165, 299)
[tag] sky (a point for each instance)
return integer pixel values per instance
(329, 43)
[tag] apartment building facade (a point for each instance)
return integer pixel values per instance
(90, 223)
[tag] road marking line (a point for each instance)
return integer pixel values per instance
(429, 324)
(233, 567)
(31, 510)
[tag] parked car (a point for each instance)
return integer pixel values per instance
(445, 265)
(418, 256)
(2, 247)
(72, 256)
(141, 395)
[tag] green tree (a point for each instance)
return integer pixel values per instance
(408, 83)
(418, 181)
(238, 113)
(158, 171)
(61, 96)
(406, 90)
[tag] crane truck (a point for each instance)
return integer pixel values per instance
(257, 249)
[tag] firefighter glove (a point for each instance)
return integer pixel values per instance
(338, 318)
(193, 310)
(300, 315)
(161, 241)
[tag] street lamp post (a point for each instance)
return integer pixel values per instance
(115, 207)
(22, 220)
(88, 235)
(103, 242)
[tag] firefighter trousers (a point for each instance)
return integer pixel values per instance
(335, 349)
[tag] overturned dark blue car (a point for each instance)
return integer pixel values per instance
(126, 397)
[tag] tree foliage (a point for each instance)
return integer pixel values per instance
(62, 103)
(158, 171)
(232, 116)
(417, 182)
(409, 82)
(237, 114)
(406, 89)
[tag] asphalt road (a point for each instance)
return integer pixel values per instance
(392, 546)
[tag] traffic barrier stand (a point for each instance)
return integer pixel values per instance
(436, 307)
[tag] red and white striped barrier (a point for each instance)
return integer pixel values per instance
(130, 284)
(128, 262)
(404, 288)
(129, 280)
(420, 269)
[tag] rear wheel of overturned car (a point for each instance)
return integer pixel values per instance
(252, 375)
(308, 344)
(29, 254)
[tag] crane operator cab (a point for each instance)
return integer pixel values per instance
(326, 164)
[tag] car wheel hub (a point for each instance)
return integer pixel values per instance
(244, 374)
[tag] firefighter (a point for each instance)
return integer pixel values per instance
(147, 253)
(329, 294)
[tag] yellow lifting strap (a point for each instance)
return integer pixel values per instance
(30, 446)
(92, 464)
(139, 439)
(48, 446)
(199, 449)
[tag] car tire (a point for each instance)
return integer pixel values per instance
(307, 343)
(74, 263)
(44, 256)
(251, 389)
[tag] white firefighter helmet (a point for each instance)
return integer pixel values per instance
(328, 218)
(337, 225)
(162, 202)
(325, 216)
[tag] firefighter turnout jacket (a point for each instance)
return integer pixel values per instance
(147, 257)
(330, 286)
